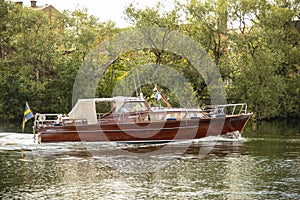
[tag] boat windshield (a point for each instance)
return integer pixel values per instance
(132, 107)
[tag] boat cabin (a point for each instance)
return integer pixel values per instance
(109, 110)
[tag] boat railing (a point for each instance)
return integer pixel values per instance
(174, 114)
(41, 119)
(226, 109)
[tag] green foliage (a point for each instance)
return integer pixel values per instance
(40, 57)
(153, 17)
(265, 59)
(255, 45)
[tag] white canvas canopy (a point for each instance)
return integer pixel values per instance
(86, 108)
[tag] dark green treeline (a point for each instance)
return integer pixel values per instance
(255, 45)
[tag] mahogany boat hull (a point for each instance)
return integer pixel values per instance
(148, 131)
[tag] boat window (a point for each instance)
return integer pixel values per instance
(134, 106)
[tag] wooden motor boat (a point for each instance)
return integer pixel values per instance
(133, 120)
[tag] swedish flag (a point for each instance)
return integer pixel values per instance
(28, 114)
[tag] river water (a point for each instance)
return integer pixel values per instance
(263, 164)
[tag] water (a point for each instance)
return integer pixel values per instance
(263, 164)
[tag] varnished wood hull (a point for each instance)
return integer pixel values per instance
(169, 130)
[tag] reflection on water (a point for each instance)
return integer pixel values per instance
(266, 165)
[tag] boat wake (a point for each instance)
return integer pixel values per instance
(228, 137)
(152, 155)
(15, 140)
(23, 141)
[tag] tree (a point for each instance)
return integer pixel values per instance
(261, 51)
(170, 21)
(39, 60)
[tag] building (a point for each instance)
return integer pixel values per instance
(49, 10)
